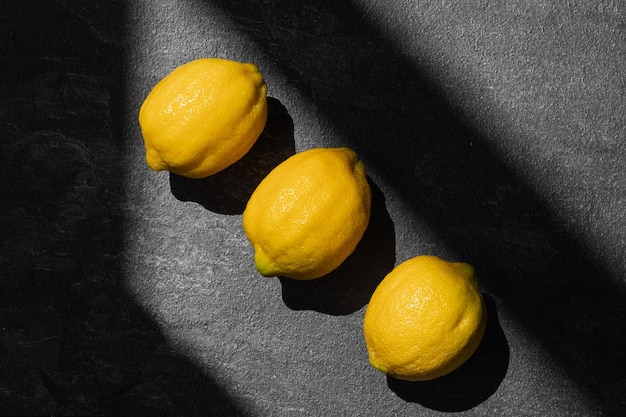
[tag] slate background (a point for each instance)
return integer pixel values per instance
(493, 133)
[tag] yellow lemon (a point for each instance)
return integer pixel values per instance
(203, 116)
(309, 213)
(425, 319)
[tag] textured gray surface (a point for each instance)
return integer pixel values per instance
(493, 133)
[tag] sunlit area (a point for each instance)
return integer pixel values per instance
(491, 135)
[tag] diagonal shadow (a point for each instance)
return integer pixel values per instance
(396, 117)
(71, 341)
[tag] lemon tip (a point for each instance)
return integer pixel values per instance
(377, 365)
(262, 265)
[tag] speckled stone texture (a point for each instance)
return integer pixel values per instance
(493, 133)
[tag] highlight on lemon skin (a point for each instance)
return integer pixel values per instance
(203, 116)
(308, 214)
(425, 319)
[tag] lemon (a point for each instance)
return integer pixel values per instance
(425, 319)
(203, 116)
(309, 213)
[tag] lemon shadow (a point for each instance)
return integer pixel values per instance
(228, 191)
(472, 383)
(349, 287)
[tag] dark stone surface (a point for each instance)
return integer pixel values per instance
(493, 133)
(71, 341)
